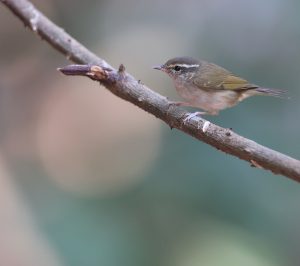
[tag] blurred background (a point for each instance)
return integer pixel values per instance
(88, 179)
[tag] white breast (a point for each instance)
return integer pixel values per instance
(211, 101)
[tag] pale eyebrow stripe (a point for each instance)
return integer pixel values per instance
(184, 65)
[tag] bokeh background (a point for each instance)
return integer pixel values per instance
(88, 179)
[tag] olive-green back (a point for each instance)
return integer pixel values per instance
(214, 77)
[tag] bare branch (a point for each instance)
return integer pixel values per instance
(128, 88)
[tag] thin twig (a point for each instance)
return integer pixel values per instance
(128, 88)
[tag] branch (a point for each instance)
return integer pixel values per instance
(128, 88)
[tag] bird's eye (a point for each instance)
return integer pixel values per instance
(177, 68)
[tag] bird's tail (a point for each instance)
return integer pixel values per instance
(272, 92)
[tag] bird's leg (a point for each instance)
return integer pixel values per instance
(214, 112)
(189, 116)
(186, 104)
(192, 115)
(179, 104)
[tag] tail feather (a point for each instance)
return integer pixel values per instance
(272, 92)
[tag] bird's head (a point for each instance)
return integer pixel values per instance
(182, 68)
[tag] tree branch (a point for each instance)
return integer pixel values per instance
(128, 88)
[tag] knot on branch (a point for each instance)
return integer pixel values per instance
(94, 72)
(121, 69)
(98, 72)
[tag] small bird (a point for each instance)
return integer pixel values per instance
(208, 86)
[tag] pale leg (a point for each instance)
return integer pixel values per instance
(192, 115)
(181, 104)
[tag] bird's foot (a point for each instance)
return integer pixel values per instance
(192, 115)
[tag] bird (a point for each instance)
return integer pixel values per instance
(210, 87)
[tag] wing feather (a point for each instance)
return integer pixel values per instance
(214, 77)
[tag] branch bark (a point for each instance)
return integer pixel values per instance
(128, 88)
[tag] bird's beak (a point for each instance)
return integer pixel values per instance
(160, 67)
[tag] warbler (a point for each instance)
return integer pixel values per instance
(208, 86)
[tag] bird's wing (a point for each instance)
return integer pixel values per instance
(214, 77)
(232, 82)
